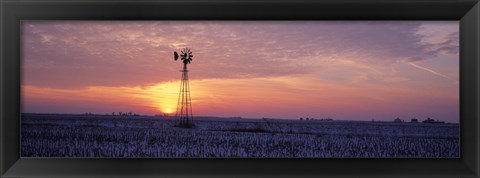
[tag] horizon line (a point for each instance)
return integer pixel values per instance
(235, 117)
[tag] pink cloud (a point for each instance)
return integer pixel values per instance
(76, 55)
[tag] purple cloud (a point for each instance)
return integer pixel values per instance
(82, 53)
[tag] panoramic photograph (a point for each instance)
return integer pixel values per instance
(240, 89)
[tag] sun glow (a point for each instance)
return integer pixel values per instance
(156, 98)
(163, 96)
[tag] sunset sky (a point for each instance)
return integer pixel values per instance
(345, 70)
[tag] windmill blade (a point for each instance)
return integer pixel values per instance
(185, 55)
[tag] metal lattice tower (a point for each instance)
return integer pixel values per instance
(184, 114)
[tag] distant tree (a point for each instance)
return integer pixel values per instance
(113, 113)
(301, 118)
(307, 118)
(397, 120)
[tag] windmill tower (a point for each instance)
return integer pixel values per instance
(184, 105)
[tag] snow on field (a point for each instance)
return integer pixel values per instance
(109, 136)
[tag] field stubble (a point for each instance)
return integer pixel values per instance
(108, 136)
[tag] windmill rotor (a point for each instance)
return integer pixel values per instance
(186, 56)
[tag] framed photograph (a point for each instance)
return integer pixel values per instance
(240, 89)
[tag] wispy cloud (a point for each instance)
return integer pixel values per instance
(135, 53)
(341, 65)
(428, 70)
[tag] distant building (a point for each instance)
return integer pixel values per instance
(326, 119)
(414, 120)
(432, 121)
(397, 120)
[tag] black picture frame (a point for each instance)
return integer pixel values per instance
(14, 11)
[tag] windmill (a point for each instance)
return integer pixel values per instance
(184, 104)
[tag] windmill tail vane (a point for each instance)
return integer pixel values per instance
(184, 115)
